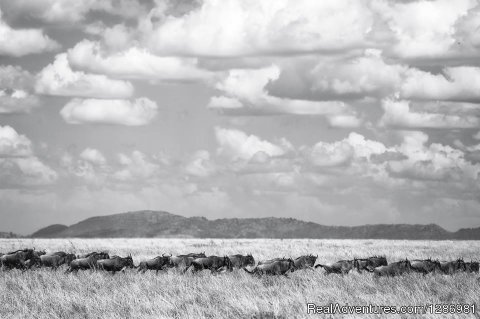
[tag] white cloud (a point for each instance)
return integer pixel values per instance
(233, 28)
(15, 87)
(235, 144)
(68, 11)
(13, 144)
(59, 79)
(120, 112)
(398, 114)
(244, 92)
(20, 42)
(25, 172)
(456, 83)
(134, 63)
(137, 166)
(200, 164)
(93, 156)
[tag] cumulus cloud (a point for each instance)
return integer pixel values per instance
(244, 93)
(20, 42)
(100, 111)
(15, 87)
(454, 84)
(134, 63)
(397, 113)
(93, 156)
(59, 79)
(234, 28)
(235, 144)
(13, 144)
(200, 164)
(136, 166)
(68, 11)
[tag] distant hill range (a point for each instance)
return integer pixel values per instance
(162, 224)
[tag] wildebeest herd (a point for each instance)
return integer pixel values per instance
(26, 259)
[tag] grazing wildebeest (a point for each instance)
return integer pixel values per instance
(305, 262)
(213, 263)
(278, 267)
(115, 263)
(157, 263)
(184, 261)
(17, 259)
(240, 261)
(89, 262)
(55, 260)
(393, 269)
(425, 266)
(340, 267)
(450, 267)
(370, 263)
(472, 266)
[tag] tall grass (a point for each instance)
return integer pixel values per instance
(48, 294)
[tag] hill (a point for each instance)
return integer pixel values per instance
(164, 224)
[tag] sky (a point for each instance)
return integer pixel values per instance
(341, 112)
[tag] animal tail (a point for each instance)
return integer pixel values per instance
(319, 265)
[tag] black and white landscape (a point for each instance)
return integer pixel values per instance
(341, 129)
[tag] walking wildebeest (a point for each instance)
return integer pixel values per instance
(472, 266)
(450, 267)
(278, 267)
(369, 263)
(305, 262)
(213, 263)
(17, 259)
(240, 261)
(115, 263)
(157, 263)
(393, 269)
(425, 266)
(340, 267)
(184, 261)
(55, 260)
(89, 262)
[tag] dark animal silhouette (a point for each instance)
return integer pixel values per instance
(184, 261)
(425, 266)
(450, 267)
(340, 267)
(240, 261)
(277, 267)
(213, 263)
(369, 263)
(305, 262)
(17, 259)
(393, 269)
(115, 263)
(158, 263)
(55, 260)
(472, 266)
(89, 262)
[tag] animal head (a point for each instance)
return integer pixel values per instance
(129, 261)
(227, 262)
(249, 260)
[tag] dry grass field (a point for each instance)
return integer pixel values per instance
(47, 294)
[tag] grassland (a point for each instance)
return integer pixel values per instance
(47, 294)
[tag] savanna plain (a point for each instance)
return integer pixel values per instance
(43, 293)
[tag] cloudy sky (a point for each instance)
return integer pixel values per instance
(342, 112)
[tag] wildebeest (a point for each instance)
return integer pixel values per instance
(213, 263)
(305, 262)
(450, 267)
(369, 263)
(425, 266)
(240, 261)
(393, 269)
(88, 262)
(277, 267)
(56, 259)
(157, 263)
(340, 267)
(17, 259)
(472, 266)
(115, 263)
(184, 261)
